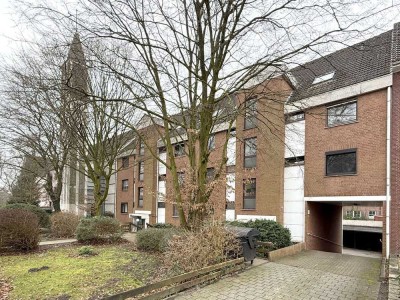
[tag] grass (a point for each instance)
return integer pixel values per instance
(114, 269)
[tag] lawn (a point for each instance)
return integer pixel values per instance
(70, 276)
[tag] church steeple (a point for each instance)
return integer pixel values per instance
(75, 75)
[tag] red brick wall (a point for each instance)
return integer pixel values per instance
(368, 135)
(324, 227)
(270, 150)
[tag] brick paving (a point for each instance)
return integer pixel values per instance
(307, 275)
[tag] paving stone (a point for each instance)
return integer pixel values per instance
(307, 275)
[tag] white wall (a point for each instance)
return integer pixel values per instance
(295, 139)
(161, 188)
(231, 151)
(294, 206)
(162, 170)
(230, 196)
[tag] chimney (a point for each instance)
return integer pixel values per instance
(395, 64)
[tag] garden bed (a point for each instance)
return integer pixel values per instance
(60, 273)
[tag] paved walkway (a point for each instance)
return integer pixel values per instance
(56, 242)
(130, 237)
(308, 275)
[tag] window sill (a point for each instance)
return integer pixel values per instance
(124, 213)
(338, 125)
(340, 175)
(175, 217)
(248, 209)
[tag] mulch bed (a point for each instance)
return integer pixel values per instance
(5, 289)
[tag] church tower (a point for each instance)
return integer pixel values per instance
(74, 96)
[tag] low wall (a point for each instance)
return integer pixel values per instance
(277, 254)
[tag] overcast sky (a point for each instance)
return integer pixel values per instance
(6, 26)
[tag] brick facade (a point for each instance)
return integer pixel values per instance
(367, 135)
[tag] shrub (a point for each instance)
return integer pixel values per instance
(162, 225)
(108, 214)
(64, 224)
(98, 229)
(194, 250)
(86, 251)
(155, 239)
(270, 231)
(43, 217)
(19, 229)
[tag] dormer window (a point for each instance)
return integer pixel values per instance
(323, 78)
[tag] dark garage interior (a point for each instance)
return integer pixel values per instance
(370, 241)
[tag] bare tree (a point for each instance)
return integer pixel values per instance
(184, 61)
(30, 117)
(97, 134)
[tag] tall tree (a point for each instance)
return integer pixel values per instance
(30, 116)
(26, 188)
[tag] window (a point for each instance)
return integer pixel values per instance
(181, 178)
(210, 174)
(140, 193)
(125, 184)
(250, 153)
(372, 214)
(141, 148)
(175, 210)
(125, 162)
(249, 194)
(323, 78)
(179, 149)
(211, 142)
(349, 213)
(124, 208)
(342, 114)
(357, 214)
(295, 117)
(141, 170)
(250, 114)
(341, 162)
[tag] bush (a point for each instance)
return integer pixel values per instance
(86, 251)
(270, 231)
(64, 224)
(194, 250)
(98, 229)
(162, 225)
(43, 217)
(155, 239)
(108, 214)
(19, 229)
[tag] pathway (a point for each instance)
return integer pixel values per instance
(307, 275)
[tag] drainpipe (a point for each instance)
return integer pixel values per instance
(388, 198)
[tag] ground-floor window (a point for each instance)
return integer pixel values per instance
(124, 208)
(249, 194)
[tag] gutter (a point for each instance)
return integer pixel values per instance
(388, 197)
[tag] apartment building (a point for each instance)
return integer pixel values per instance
(344, 101)
(330, 141)
(334, 143)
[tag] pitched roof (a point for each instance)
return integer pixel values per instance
(354, 64)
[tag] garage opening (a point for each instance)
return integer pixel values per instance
(361, 240)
